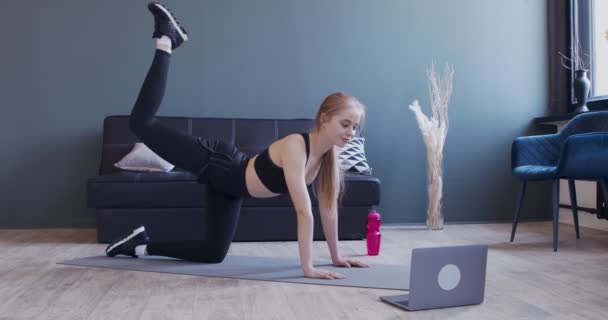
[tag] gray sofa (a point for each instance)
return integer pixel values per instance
(172, 205)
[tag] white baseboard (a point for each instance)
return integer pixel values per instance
(585, 219)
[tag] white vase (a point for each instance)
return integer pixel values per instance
(434, 220)
(435, 224)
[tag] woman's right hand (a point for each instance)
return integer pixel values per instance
(322, 274)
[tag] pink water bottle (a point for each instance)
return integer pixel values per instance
(373, 233)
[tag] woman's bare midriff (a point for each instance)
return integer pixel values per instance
(257, 189)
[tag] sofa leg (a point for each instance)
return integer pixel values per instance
(522, 192)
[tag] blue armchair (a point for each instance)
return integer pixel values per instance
(578, 152)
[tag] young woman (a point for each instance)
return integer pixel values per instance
(289, 165)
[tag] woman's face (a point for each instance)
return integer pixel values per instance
(343, 126)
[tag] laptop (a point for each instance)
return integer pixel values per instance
(444, 277)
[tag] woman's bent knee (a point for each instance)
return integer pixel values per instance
(139, 126)
(210, 258)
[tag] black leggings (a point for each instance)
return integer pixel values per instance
(216, 162)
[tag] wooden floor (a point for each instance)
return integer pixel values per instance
(525, 279)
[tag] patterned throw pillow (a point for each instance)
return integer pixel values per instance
(352, 157)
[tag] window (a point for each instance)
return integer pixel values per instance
(589, 29)
(600, 47)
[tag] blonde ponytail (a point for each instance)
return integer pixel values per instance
(330, 181)
(329, 185)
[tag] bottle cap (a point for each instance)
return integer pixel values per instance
(373, 214)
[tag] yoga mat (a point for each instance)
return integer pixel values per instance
(379, 276)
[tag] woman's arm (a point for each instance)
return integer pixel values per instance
(294, 162)
(329, 220)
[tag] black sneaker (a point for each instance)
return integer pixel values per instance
(126, 244)
(165, 24)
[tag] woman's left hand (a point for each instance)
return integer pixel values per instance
(347, 263)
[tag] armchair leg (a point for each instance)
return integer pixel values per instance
(574, 206)
(604, 187)
(555, 212)
(520, 199)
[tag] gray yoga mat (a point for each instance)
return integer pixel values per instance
(379, 276)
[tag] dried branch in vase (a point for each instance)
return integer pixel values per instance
(434, 131)
(579, 61)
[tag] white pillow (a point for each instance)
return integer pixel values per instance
(352, 157)
(141, 158)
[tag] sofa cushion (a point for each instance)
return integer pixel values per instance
(251, 136)
(179, 189)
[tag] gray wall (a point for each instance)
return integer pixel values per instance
(65, 65)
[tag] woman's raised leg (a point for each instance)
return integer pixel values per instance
(183, 151)
(179, 148)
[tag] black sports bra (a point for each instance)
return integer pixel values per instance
(271, 175)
